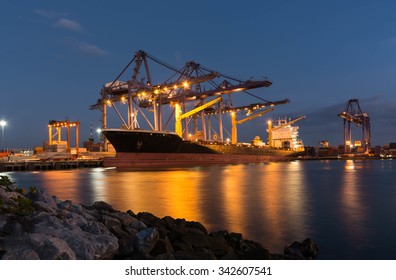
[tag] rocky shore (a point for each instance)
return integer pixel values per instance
(35, 225)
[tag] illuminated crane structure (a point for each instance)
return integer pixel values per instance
(190, 93)
(354, 114)
(56, 137)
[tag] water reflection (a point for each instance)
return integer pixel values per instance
(284, 201)
(353, 208)
(161, 193)
(63, 184)
(233, 188)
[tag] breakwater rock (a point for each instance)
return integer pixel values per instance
(36, 225)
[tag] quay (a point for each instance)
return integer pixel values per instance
(48, 165)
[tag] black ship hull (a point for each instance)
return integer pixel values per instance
(151, 149)
(143, 141)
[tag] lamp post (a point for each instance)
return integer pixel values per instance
(3, 123)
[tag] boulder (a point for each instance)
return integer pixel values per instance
(308, 249)
(146, 239)
(102, 206)
(51, 248)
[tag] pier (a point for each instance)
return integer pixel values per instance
(48, 165)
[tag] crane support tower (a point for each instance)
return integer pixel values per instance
(58, 125)
(354, 114)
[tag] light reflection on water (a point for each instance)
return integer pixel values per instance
(346, 206)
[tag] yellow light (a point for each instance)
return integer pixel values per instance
(185, 84)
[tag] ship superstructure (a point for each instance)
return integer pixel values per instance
(284, 135)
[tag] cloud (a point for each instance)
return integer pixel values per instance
(49, 14)
(90, 49)
(68, 24)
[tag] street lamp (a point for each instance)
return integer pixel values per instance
(3, 123)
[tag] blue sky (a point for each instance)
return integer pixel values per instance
(56, 55)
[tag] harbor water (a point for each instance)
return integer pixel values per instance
(347, 207)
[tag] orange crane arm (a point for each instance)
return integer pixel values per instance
(234, 122)
(289, 123)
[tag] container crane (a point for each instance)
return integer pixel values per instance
(354, 114)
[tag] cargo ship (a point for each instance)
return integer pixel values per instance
(194, 98)
(151, 149)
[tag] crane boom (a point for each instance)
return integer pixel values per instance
(234, 122)
(179, 117)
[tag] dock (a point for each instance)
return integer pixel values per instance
(9, 166)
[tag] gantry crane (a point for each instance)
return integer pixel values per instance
(354, 114)
(271, 129)
(58, 125)
(191, 83)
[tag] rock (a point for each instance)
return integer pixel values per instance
(162, 247)
(51, 248)
(75, 219)
(219, 244)
(65, 204)
(85, 244)
(4, 222)
(102, 206)
(196, 238)
(124, 218)
(254, 251)
(234, 240)
(182, 246)
(21, 253)
(42, 206)
(309, 248)
(146, 239)
(196, 225)
(150, 220)
(126, 246)
(40, 195)
(294, 250)
(110, 222)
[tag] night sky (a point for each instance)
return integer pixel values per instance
(55, 57)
